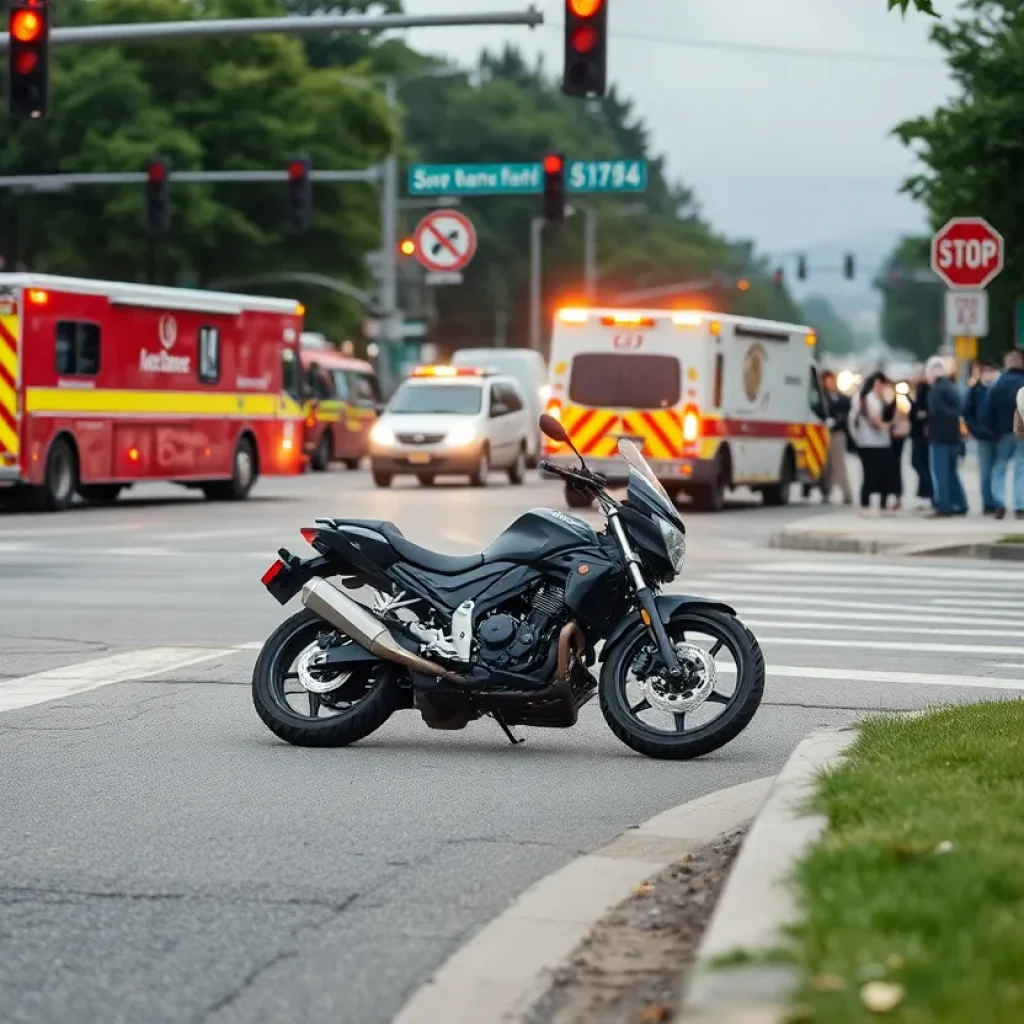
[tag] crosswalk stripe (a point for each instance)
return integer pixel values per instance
(880, 614)
(936, 614)
(850, 627)
(846, 675)
(56, 683)
(915, 588)
(879, 569)
(892, 645)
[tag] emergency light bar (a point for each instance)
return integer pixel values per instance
(451, 371)
(629, 318)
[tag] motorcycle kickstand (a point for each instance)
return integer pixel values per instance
(499, 718)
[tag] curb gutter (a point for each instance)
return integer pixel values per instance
(756, 904)
(847, 545)
(498, 976)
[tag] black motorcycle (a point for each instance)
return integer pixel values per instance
(512, 632)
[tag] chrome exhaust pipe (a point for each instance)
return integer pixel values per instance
(358, 623)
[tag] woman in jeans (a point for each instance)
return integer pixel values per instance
(874, 443)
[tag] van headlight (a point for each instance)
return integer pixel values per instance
(462, 435)
(382, 434)
(675, 543)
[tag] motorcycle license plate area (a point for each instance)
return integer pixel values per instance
(419, 458)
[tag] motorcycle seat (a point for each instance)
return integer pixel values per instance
(424, 558)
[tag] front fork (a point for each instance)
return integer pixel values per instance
(645, 598)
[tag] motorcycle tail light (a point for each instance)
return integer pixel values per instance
(308, 535)
(272, 573)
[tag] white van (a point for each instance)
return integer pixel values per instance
(715, 401)
(527, 367)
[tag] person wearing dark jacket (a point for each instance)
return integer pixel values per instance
(983, 375)
(944, 413)
(919, 456)
(997, 417)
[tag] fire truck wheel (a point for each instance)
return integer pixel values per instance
(322, 456)
(100, 494)
(242, 478)
(351, 463)
(61, 479)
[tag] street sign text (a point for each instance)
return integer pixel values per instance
(967, 313)
(967, 252)
(525, 179)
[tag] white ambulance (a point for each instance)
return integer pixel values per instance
(716, 401)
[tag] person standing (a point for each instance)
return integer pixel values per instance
(837, 417)
(997, 417)
(919, 455)
(944, 413)
(983, 374)
(897, 416)
(874, 443)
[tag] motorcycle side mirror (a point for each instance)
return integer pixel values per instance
(550, 427)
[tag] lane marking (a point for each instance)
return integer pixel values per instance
(916, 588)
(57, 683)
(68, 531)
(819, 569)
(893, 645)
(845, 615)
(842, 675)
(1004, 664)
(852, 628)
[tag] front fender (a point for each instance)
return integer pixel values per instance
(669, 606)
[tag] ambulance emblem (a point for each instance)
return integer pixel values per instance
(168, 331)
(753, 372)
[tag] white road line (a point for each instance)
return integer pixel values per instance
(894, 645)
(14, 549)
(936, 614)
(848, 627)
(57, 683)
(913, 589)
(875, 569)
(845, 615)
(68, 531)
(1004, 664)
(853, 675)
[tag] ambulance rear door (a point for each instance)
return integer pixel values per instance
(620, 374)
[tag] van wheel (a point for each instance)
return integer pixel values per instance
(517, 473)
(351, 463)
(100, 494)
(243, 476)
(478, 478)
(427, 480)
(381, 479)
(777, 495)
(321, 461)
(61, 479)
(577, 499)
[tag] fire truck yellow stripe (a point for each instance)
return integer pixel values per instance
(8, 439)
(7, 398)
(8, 360)
(100, 402)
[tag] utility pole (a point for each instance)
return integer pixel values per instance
(536, 326)
(391, 321)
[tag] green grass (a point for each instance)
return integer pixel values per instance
(882, 896)
(1011, 538)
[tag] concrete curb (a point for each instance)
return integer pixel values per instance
(848, 545)
(756, 904)
(498, 976)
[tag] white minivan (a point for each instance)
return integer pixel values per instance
(528, 369)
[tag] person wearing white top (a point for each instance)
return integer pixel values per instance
(873, 437)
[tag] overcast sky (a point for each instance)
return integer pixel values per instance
(789, 150)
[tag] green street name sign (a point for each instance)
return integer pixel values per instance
(525, 179)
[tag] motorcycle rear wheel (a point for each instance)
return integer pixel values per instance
(371, 691)
(739, 708)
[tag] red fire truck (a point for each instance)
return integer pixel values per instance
(106, 385)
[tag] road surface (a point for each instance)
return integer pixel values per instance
(167, 860)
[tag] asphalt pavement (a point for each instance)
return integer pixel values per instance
(165, 859)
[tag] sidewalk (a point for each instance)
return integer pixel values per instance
(908, 532)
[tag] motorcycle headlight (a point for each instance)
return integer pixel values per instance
(675, 544)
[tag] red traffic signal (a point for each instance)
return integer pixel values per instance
(158, 197)
(586, 47)
(300, 194)
(28, 32)
(554, 188)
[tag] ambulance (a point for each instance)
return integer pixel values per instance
(105, 385)
(716, 401)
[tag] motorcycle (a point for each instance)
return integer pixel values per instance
(512, 632)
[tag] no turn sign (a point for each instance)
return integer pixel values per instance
(445, 241)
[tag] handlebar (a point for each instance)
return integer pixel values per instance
(582, 478)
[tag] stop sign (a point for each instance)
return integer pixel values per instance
(967, 252)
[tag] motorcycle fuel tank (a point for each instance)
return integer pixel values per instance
(539, 533)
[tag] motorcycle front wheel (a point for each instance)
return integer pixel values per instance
(710, 705)
(350, 704)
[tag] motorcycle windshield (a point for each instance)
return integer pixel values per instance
(638, 467)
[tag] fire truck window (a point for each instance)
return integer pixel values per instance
(363, 389)
(719, 364)
(209, 355)
(340, 384)
(77, 349)
(290, 374)
(320, 386)
(619, 381)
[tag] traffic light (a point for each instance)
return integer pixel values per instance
(779, 278)
(586, 48)
(300, 194)
(407, 247)
(158, 197)
(554, 188)
(801, 268)
(28, 31)
(848, 266)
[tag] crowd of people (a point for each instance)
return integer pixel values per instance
(936, 417)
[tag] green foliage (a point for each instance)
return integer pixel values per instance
(237, 103)
(835, 335)
(924, 6)
(970, 147)
(911, 308)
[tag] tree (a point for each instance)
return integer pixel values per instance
(247, 103)
(911, 300)
(924, 6)
(835, 335)
(970, 147)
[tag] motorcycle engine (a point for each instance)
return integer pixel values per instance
(514, 644)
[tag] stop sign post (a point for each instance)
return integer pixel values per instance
(967, 253)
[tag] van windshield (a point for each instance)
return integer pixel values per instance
(449, 399)
(620, 381)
